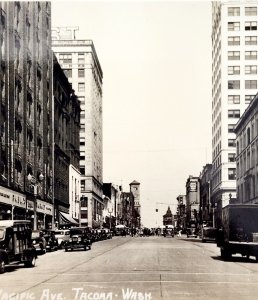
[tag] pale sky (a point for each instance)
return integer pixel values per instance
(156, 61)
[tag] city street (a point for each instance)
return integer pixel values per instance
(135, 268)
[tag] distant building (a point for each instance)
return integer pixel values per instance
(168, 218)
(79, 60)
(135, 190)
(110, 197)
(192, 200)
(247, 155)
(26, 136)
(66, 151)
(206, 207)
(181, 211)
(127, 205)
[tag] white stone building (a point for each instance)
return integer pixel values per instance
(234, 84)
(79, 60)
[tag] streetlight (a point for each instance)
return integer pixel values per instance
(35, 185)
(110, 212)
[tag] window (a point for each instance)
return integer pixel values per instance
(234, 26)
(81, 87)
(83, 185)
(231, 142)
(248, 98)
(233, 40)
(233, 70)
(232, 174)
(251, 11)
(65, 58)
(251, 25)
(234, 113)
(231, 128)
(251, 40)
(233, 11)
(82, 100)
(234, 84)
(231, 157)
(82, 170)
(250, 55)
(81, 58)
(68, 72)
(251, 84)
(234, 55)
(250, 69)
(233, 99)
(80, 72)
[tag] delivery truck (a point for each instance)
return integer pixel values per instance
(239, 231)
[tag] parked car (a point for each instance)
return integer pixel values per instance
(16, 244)
(168, 231)
(80, 238)
(208, 234)
(39, 242)
(108, 233)
(51, 240)
(191, 232)
(62, 236)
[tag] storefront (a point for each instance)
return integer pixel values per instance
(44, 214)
(13, 205)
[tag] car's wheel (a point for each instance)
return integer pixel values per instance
(66, 249)
(225, 254)
(256, 258)
(31, 261)
(89, 247)
(2, 266)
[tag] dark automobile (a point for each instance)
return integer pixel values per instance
(108, 233)
(51, 240)
(80, 238)
(39, 242)
(168, 231)
(208, 234)
(16, 244)
(191, 232)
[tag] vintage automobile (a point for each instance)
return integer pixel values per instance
(191, 232)
(208, 234)
(80, 238)
(16, 244)
(168, 231)
(51, 240)
(108, 233)
(39, 242)
(62, 236)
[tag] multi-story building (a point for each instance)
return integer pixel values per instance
(168, 218)
(181, 211)
(128, 211)
(192, 201)
(135, 190)
(66, 149)
(110, 194)
(26, 144)
(234, 84)
(206, 209)
(80, 62)
(247, 155)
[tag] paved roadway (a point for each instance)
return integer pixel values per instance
(134, 268)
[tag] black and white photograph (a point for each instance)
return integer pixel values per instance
(128, 150)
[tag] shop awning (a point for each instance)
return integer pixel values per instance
(66, 219)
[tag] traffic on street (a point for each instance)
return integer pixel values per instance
(135, 267)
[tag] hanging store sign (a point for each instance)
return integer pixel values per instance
(12, 198)
(44, 207)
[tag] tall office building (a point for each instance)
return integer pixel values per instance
(26, 136)
(80, 62)
(234, 84)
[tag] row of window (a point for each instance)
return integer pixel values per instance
(235, 11)
(249, 26)
(235, 55)
(235, 99)
(235, 40)
(66, 58)
(249, 69)
(235, 84)
(68, 73)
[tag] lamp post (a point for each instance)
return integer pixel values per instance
(35, 185)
